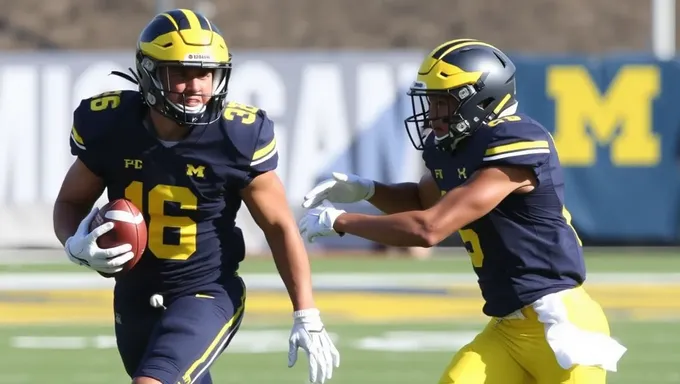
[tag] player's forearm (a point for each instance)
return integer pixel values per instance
(292, 263)
(66, 217)
(407, 229)
(395, 198)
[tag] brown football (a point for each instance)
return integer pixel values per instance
(129, 228)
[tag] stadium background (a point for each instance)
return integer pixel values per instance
(332, 74)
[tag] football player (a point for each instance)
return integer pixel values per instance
(187, 158)
(495, 178)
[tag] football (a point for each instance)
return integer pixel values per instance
(130, 228)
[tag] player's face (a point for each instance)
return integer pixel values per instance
(441, 108)
(189, 86)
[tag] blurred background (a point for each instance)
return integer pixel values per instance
(602, 75)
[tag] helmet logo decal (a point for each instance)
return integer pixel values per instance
(198, 57)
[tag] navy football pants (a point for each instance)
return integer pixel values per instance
(179, 343)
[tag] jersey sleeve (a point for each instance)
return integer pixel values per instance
(518, 143)
(255, 142)
(265, 155)
(85, 138)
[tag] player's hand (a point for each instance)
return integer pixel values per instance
(82, 248)
(341, 188)
(318, 221)
(309, 334)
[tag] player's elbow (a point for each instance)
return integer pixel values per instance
(430, 232)
(426, 242)
(430, 239)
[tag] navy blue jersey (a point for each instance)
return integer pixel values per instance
(526, 247)
(189, 191)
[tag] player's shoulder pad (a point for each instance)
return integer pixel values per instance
(516, 139)
(98, 116)
(251, 132)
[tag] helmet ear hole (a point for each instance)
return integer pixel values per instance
(485, 103)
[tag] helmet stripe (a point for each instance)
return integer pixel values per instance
(180, 19)
(161, 25)
(172, 20)
(441, 50)
(466, 44)
(194, 24)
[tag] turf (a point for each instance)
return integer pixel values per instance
(452, 261)
(644, 319)
(652, 356)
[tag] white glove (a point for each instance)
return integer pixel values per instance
(341, 188)
(318, 221)
(309, 334)
(82, 248)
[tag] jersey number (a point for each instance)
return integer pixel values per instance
(470, 239)
(494, 123)
(159, 221)
(246, 113)
(105, 100)
(473, 247)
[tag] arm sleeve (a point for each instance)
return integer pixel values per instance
(83, 139)
(519, 144)
(256, 145)
(265, 154)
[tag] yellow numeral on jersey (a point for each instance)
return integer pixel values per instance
(105, 100)
(473, 247)
(247, 113)
(494, 123)
(158, 220)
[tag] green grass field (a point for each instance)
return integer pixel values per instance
(372, 351)
(652, 356)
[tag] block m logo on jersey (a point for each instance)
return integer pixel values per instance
(621, 117)
(197, 171)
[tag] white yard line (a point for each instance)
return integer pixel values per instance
(270, 281)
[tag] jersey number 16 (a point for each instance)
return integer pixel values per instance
(159, 221)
